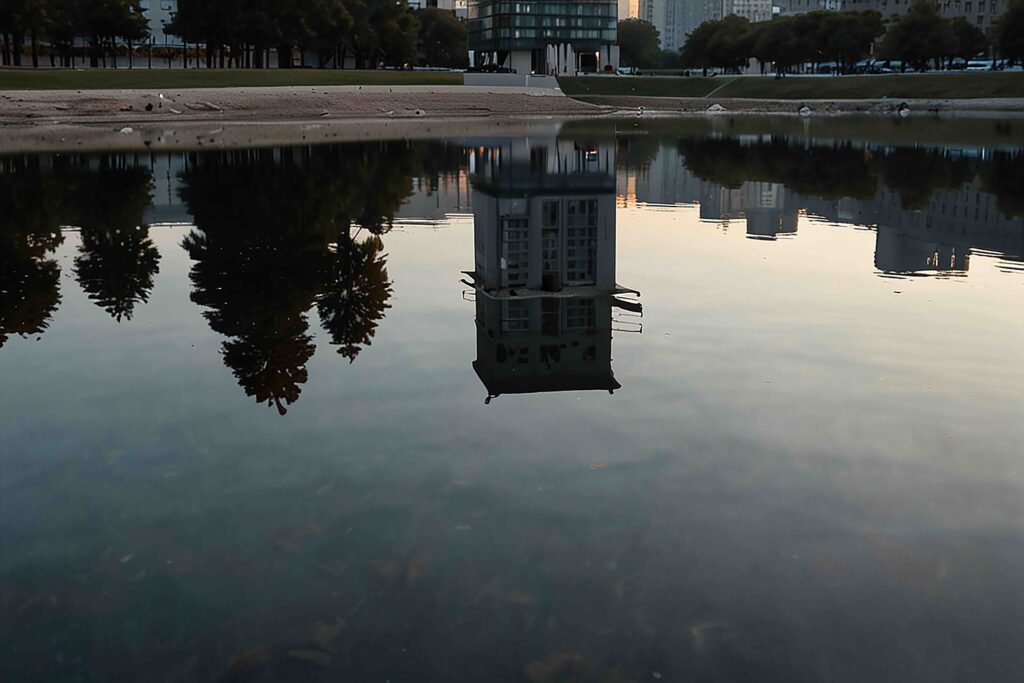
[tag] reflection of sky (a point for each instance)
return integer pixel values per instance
(796, 449)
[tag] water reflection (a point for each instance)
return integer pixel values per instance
(758, 502)
(118, 260)
(930, 207)
(279, 231)
(29, 233)
(544, 277)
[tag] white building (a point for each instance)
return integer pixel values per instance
(544, 270)
(459, 8)
(785, 8)
(754, 10)
(675, 19)
(159, 13)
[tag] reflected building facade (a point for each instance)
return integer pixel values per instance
(935, 237)
(544, 278)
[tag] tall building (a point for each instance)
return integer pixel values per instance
(981, 13)
(159, 13)
(629, 9)
(754, 10)
(785, 8)
(675, 19)
(544, 36)
(544, 270)
(459, 8)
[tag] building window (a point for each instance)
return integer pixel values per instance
(515, 249)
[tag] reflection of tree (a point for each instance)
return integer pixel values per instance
(844, 171)
(828, 172)
(32, 207)
(266, 221)
(636, 152)
(356, 294)
(1003, 176)
(118, 261)
(258, 248)
(29, 289)
(916, 174)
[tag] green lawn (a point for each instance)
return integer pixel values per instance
(96, 79)
(905, 86)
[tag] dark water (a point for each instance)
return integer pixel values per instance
(609, 403)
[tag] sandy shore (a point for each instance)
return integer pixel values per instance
(204, 118)
(882, 107)
(127, 120)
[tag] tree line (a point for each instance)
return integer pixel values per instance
(59, 23)
(262, 262)
(238, 33)
(917, 40)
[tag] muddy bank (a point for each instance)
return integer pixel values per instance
(140, 120)
(293, 103)
(1013, 106)
(200, 135)
(125, 120)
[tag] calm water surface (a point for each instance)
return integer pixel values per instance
(607, 403)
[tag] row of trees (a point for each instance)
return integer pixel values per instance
(239, 33)
(263, 262)
(60, 22)
(919, 38)
(640, 46)
(922, 36)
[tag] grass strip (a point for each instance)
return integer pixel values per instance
(903, 86)
(142, 78)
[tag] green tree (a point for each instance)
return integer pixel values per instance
(846, 37)
(639, 44)
(1009, 32)
(442, 39)
(397, 30)
(778, 43)
(920, 36)
(969, 40)
(723, 43)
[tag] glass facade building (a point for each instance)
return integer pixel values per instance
(501, 27)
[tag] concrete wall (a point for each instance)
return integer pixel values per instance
(510, 80)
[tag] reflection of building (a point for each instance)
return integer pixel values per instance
(434, 200)
(544, 275)
(939, 238)
(544, 36)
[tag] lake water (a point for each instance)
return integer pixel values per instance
(728, 400)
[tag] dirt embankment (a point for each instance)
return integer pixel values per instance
(52, 120)
(280, 104)
(823, 107)
(205, 118)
